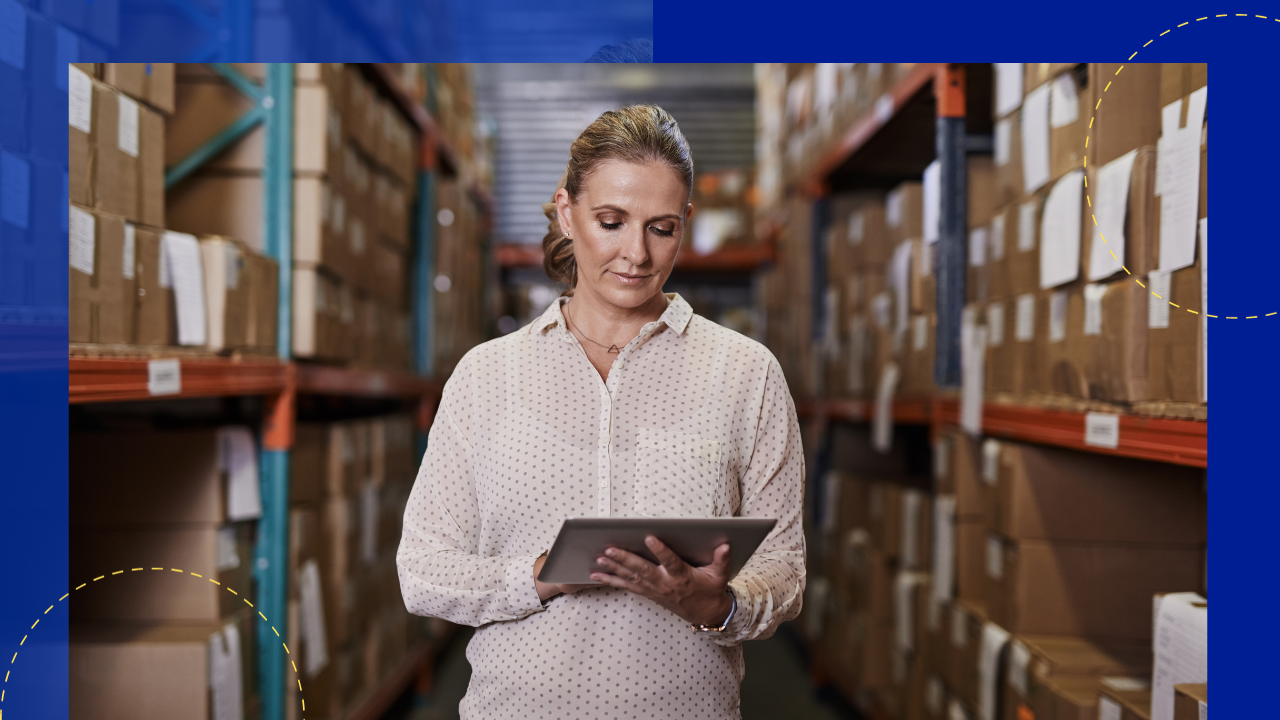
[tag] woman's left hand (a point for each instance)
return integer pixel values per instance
(698, 595)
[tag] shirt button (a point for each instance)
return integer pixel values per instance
(604, 483)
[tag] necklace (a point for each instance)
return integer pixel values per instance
(613, 349)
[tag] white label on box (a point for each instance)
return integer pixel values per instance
(369, 523)
(1064, 103)
(1158, 284)
(1058, 316)
(893, 208)
(127, 136)
(856, 227)
(884, 108)
(994, 639)
(926, 259)
(164, 377)
(880, 305)
(81, 234)
(1181, 645)
(1110, 208)
(956, 711)
(1178, 181)
(1093, 295)
(1003, 139)
(1019, 658)
(882, 429)
(130, 250)
(995, 557)
(226, 674)
(1027, 226)
(239, 460)
(1009, 81)
(933, 696)
(990, 461)
(1035, 139)
(1125, 684)
(233, 259)
(182, 261)
(931, 196)
(959, 627)
(995, 324)
(1060, 231)
(228, 556)
(973, 357)
(311, 608)
(1025, 318)
(1108, 709)
(978, 247)
(79, 99)
(919, 332)
(1102, 429)
(1204, 710)
(995, 241)
(944, 529)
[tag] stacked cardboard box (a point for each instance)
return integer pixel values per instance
(160, 540)
(349, 482)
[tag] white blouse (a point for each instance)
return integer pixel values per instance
(695, 420)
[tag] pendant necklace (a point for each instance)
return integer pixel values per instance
(612, 349)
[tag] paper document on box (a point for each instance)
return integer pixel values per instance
(1110, 205)
(1178, 181)
(183, 269)
(882, 430)
(994, 639)
(311, 606)
(225, 674)
(901, 279)
(931, 198)
(1060, 232)
(1181, 647)
(1008, 87)
(240, 462)
(1204, 305)
(1035, 139)
(973, 345)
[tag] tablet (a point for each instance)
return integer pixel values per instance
(581, 540)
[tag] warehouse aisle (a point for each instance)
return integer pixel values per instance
(777, 684)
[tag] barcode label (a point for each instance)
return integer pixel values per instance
(164, 377)
(1102, 429)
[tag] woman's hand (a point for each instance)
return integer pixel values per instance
(697, 595)
(546, 591)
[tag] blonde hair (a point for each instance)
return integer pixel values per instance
(637, 134)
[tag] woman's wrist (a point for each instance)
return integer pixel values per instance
(720, 612)
(546, 591)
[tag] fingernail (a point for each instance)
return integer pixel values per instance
(610, 552)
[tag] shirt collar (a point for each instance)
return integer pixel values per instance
(676, 316)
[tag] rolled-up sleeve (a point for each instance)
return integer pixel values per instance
(770, 586)
(442, 574)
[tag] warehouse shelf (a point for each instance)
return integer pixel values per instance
(107, 379)
(906, 411)
(418, 663)
(1181, 442)
(330, 380)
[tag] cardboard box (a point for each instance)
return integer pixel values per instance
(152, 83)
(226, 293)
(1190, 701)
(1046, 493)
(1007, 160)
(206, 106)
(1123, 700)
(389, 263)
(1022, 243)
(155, 312)
(981, 190)
(82, 134)
(1089, 589)
(1072, 91)
(97, 287)
(1001, 244)
(142, 478)
(964, 630)
(1128, 116)
(904, 212)
(971, 544)
(859, 219)
(924, 285)
(885, 518)
(117, 120)
(208, 203)
(320, 222)
(1141, 225)
(161, 670)
(150, 168)
(1114, 361)
(148, 594)
(317, 131)
(263, 277)
(1046, 670)
(1037, 74)
(917, 379)
(1178, 80)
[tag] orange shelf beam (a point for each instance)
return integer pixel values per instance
(1181, 442)
(862, 131)
(116, 379)
(906, 411)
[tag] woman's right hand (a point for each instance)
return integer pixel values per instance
(546, 591)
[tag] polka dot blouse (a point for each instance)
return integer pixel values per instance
(695, 420)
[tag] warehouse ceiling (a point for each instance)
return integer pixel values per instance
(538, 110)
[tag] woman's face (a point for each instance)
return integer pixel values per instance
(626, 227)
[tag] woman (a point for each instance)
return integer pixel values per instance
(617, 402)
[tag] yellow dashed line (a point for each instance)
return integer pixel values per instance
(1166, 32)
(233, 592)
(1185, 23)
(1251, 317)
(246, 602)
(286, 649)
(34, 624)
(197, 574)
(81, 585)
(117, 572)
(1148, 43)
(175, 570)
(1193, 312)
(137, 569)
(99, 578)
(1270, 314)
(274, 630)
(1203, 18)
(1232, 317)
(23, 641)
(157, 568)
(1139, 282)
(1210, 315)
(1134, 54)
(46, 612)
(215, 582)
(264, 618)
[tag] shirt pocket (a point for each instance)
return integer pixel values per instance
(681, 475)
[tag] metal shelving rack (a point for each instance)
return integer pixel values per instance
(280, 380)
(859, 158)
